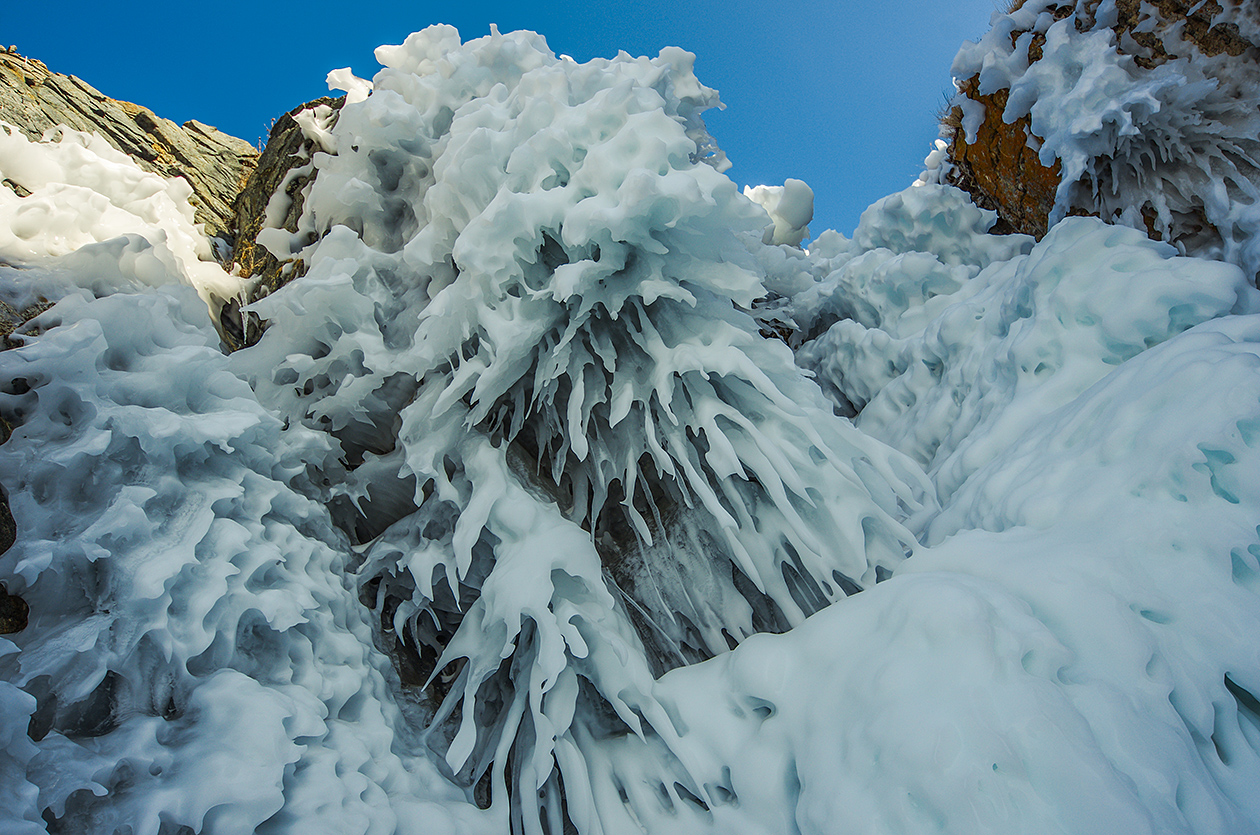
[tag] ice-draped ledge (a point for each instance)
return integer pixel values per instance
(1148, 109)
(447, 549)
(84, 191)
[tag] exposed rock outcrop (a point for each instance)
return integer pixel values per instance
(11, 319)
(1142, 112)
(1000, 169)
(14, 612)
(216, 165)
(273, 197)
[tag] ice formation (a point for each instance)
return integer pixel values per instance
(540, 293)
(791, 208)
(521, 516)
(83, 191)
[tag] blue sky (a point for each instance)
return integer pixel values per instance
(841, 95)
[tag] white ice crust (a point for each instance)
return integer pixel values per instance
(525, 424)
(357, 89)
(84, 191)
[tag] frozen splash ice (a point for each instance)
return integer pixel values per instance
(527, 323)
(952, 363)
(194, 652)
(523, 375)
(462, 544)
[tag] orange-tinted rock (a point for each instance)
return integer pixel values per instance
(1001, 170)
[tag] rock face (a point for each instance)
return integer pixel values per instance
(11, 319)
(34, 99)
(13, 609)
(1000, 169)
(14, 613)
(1142, 112)
(274, 197)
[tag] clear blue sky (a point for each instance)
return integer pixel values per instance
(841, 95)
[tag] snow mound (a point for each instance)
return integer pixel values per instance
(1074, 653)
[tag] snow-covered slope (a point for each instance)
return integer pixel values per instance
(515, 520)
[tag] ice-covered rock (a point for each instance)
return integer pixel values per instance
(1139, 112)
(526, 323)
(273, 199)
(516, 518)
(87, 201)
(194, 656)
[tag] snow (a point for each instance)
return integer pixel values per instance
(516, 518)
(84, 191)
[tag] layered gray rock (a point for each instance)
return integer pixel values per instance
(216, 165)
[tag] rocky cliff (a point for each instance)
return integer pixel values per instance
(35, 99)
